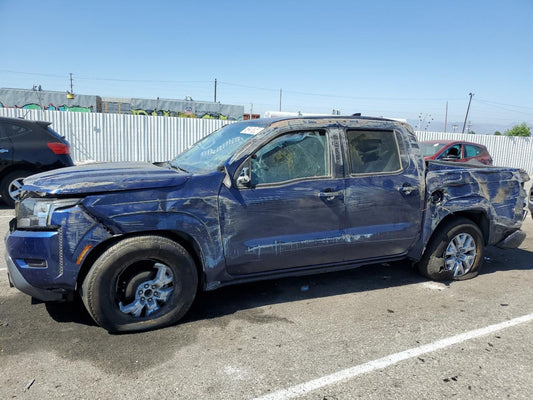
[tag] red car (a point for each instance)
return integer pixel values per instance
(451, 150)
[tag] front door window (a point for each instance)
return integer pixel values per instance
(294, 156)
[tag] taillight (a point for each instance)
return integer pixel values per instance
(59, 148)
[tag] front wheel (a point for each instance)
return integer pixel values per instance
(140, 283)
(455, 252)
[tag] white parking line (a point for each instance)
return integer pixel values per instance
(381, 363)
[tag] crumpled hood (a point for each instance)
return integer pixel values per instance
(104, 177)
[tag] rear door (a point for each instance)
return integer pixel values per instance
(383, 195)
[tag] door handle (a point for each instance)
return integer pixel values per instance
(4, 151)
(407, 189)
(330, 194)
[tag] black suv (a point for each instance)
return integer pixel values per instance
(26, 148)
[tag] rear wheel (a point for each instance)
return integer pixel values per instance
(454, 253)
(11, 186)
(140, 283)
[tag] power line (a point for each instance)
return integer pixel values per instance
(339, 96)
(373, 98)
(507, 109)
(488, 103)
(502, 104)
(89, 78)
(33, 73)
(247, 87)
(334, 96)
(137, 80)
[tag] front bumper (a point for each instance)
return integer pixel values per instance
(45, 263)
(17, 280)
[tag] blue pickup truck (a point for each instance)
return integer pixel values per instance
(254, 200)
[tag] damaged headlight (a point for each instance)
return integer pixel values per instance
(36, 213)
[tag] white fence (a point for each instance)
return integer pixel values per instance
(121, 137)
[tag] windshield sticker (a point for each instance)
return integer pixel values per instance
(252, 130)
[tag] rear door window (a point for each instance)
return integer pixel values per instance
(373, 152)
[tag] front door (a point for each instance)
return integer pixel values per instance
(292, 213)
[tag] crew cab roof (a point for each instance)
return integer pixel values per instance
(320, 117)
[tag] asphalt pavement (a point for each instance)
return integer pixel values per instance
(376, 332)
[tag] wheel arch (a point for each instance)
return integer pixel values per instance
(478, 217)
(183, 239)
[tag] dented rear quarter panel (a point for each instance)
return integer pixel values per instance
(496, 192)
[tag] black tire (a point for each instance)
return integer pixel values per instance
(465, 245)
(145, 263)
(7, 187)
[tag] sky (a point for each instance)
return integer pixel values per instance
(401, 59)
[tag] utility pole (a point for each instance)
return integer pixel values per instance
(468, 109)
(446, 118)
(280, 99)
(215, 90)
(70, 95)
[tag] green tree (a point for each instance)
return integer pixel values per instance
(497, 133)
(519, 130)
